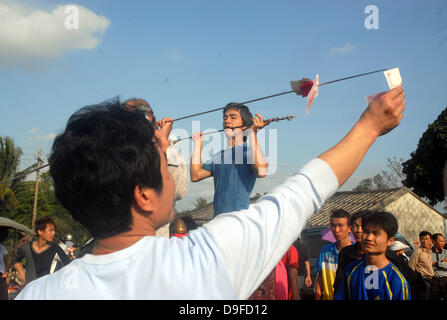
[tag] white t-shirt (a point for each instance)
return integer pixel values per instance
(227, 258)
(3, 252)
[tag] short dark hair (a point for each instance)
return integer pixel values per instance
(359, 215)
(436, 235)
(42, 222)
(424, 233)
(341, 213)
(247, 117)
(96, 163)
(382, 219)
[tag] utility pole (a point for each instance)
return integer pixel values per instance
(36, 189)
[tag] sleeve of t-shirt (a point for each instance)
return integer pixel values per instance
(414, 259)
(290, 259)
(18, 255)
(293, 257)
(319, 262)
(268, 227)
(208, 166)
(3, 250)
(179, 171)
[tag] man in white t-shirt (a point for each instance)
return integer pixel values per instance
(117, 185)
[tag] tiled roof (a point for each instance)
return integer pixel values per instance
(353, 201)
(350, 201)
(201, 215)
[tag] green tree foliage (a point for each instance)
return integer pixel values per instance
(385, 179)
(9, 162)
(47, 204)
(424, 170)
(200, 203)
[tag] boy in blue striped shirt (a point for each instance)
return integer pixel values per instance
(375, 277)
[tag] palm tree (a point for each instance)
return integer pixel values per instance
(9, 162)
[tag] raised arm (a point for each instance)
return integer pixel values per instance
(268, 227)
(381, 116)
(197, 172)
(260, 165)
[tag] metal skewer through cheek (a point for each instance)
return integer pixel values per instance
(266, 123)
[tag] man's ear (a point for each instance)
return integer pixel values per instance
(144, 198)
(390, 241)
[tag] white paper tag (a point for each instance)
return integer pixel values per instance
(393, 78)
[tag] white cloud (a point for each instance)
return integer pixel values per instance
(35, 136)
(175, 55)
(29, 36)
(344, 49)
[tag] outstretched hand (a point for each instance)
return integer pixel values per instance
(386, 112)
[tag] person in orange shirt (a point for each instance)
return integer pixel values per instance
(290, 260)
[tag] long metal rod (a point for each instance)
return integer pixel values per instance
(277, 94)
(266, 123)
(238, 104)
(204, 134)
(357, 75)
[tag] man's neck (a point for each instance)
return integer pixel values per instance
(41, 244)
(115, 243)
(437, 250)
(235, 141)
(378, 260)
(140, 228)
(343, 243)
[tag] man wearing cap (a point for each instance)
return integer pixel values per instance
(399, 248)
(439, 258)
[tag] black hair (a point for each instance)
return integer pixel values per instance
(424, 233)
(244, 111)
(96, 163)
(360, 214)
(42, 222)
(436, 235)
(341, 213)
(382, 219)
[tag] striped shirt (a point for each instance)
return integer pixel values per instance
(327, 266)
(362, 282)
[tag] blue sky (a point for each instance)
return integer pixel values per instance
(189, 56)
